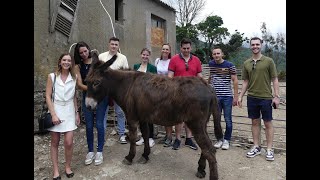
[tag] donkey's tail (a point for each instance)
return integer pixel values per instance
(216, 113)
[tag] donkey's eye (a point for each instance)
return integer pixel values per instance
(96, 83)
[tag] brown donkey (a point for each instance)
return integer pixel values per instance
(159, 100)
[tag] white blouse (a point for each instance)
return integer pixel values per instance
(162, 66)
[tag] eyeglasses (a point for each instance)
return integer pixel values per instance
(254, 65)
(187, 66)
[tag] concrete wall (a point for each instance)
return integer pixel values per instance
(92, 25)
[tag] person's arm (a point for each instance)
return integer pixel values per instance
(125, 63)
(135, 67)
(210, 74)
(170, 74)
(80, 84)
(55, 119)
(75, 101)
(234, 79)
(199, 68)
(276, 97)
(243, 91)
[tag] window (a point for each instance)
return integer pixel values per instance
(157, 31)
(62, 16)
(119, 10)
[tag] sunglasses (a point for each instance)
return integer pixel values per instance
(254, 65)
(187, 66)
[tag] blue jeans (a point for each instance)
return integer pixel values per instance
(121, 119)
(100, 123)
(225, 104)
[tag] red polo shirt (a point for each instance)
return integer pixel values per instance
(177, 65)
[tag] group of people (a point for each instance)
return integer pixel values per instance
(61, 97)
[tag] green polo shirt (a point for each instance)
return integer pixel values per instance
(260, 77)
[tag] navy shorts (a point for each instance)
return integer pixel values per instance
(258, 107)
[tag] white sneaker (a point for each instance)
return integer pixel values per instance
(140, 142)
(151, 142)
(89, 158)
(225, 145)
(269, 155)
(218, 144)
(123, 139)
(98, 159)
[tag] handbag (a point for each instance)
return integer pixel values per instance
(46, 118)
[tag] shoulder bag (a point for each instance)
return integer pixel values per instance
(46, 119)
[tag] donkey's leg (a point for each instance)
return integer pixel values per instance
(201, 167)
(132, 126)
(145, 134)
(207, 149)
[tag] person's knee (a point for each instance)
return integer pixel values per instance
(256, 122)
(268, 124)
(68, 143)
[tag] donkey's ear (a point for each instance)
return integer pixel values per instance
(94, 56)
(109, 62)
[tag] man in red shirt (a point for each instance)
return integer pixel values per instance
(184, 64)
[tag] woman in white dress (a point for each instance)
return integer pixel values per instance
(62, 107)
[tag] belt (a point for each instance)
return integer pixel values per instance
(62, 103)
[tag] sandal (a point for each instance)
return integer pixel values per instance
(69, 175)
(57, 178)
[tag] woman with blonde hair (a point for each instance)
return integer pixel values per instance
(61, 99)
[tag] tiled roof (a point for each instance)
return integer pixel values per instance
(164, 5)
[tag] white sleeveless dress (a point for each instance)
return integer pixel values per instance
(63, 104)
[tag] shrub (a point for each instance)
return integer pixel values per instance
(282, 76)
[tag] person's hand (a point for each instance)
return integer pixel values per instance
(77, 119)
(239, 103)
(276, 101)
(55, 119)
(235, 101)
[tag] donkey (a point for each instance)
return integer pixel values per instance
(159, 100)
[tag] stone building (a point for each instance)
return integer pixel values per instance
(58, 24)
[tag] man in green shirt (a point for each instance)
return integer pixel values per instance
(257, 74)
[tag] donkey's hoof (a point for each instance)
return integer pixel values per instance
(201, 174)
(125, 161)
(142, 160)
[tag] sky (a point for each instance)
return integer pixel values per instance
(247, 15)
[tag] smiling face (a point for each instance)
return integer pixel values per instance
(165, 51)
(255, 46)
(145, 56)
(65, 62)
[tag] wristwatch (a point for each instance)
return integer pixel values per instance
(278, 96)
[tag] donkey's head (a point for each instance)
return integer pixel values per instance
(97, 76)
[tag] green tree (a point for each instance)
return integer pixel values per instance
(234, 44)
(188, 31)
(211, 31)
(275, 47)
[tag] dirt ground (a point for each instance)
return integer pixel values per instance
(164, 163)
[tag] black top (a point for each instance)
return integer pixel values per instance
(84, 69)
